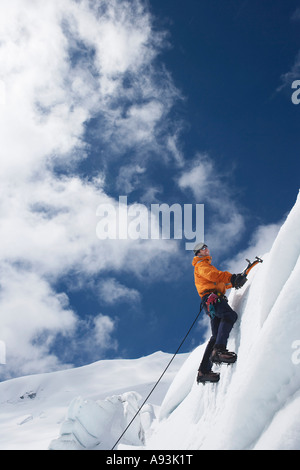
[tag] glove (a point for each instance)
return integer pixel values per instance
(238, 280)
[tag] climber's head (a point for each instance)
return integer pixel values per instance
(201, 249)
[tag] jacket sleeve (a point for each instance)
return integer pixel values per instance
(213, 274)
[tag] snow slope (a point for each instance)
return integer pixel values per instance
(35, 408)
(256, 404)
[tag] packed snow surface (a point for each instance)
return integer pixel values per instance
(256, 404)
(83, 408)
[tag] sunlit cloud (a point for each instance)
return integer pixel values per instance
(112, 291)
(63, 64)
(208, 186)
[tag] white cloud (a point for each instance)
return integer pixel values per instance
(127, 178)
(32, 314)
(209, 187)
(143, 118)
(198, 178)
(103, 328)
(174, 147)
(260, 244)
(293, 74)
(64, 62)
(112, 291)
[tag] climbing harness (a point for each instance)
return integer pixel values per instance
(211, 300)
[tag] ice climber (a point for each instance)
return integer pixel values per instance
(211, 285)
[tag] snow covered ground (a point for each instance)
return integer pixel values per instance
(256, 404)
(35, 408)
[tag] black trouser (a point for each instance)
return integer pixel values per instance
(221, 326)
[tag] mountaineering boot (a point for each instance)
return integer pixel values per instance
(221, 355)
(208, 377)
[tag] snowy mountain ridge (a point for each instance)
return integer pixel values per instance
(256, 404)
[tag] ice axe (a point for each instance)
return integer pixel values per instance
(242, 278)
(251, 265)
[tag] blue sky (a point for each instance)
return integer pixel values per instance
(162, 102)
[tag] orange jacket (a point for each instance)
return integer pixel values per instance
(208, 278)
